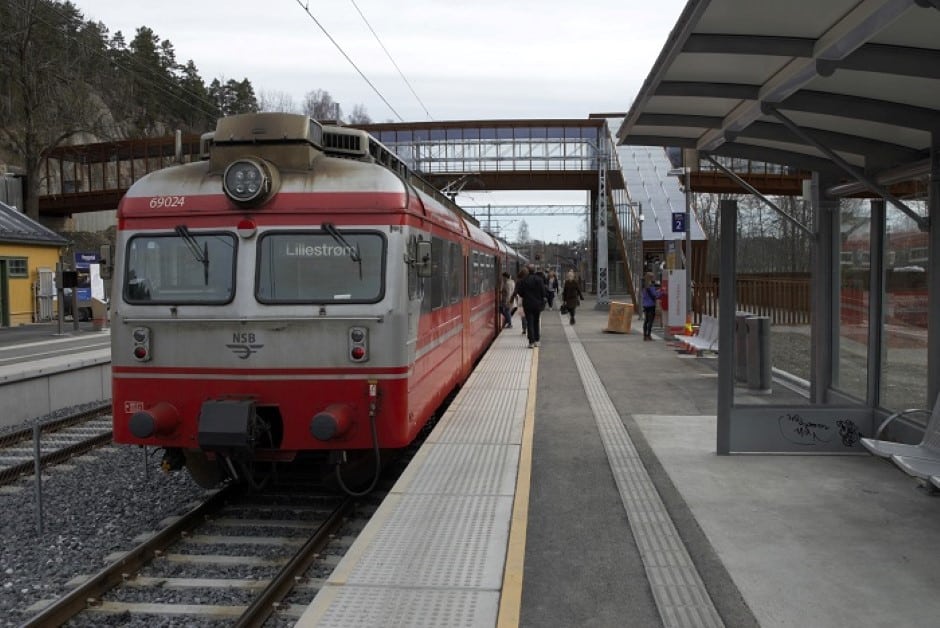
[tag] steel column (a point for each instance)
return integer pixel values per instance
(933, 272)
(603, 283)
(728, 215)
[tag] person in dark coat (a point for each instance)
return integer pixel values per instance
(571, 295)
(552, 289)
(534, 294)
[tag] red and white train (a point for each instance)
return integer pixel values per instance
(297, 291)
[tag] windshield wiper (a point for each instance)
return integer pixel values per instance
(200, 256)
(354, 255)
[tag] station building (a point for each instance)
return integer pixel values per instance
(28, 256)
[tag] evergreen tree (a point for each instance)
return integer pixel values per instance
(45, 95)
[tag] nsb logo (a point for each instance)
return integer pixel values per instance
(244, 344)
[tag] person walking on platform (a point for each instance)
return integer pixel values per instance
(571, 296)
(651, 294)
(505, 304)
(517, 302)
(533, 292)
(552, 289)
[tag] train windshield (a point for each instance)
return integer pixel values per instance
(181, 267)
(329, 266)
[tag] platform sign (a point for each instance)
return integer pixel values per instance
(678, 222)
(97, 283)
(675, 312)
(86, 288)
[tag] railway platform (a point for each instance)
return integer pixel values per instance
(577, 484)
(43, 369)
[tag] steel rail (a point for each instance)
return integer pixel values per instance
(8, 474)
(266, 603)
(74, 602)
(26, 433)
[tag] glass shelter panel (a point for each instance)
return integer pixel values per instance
(854, 292)
(904, 361)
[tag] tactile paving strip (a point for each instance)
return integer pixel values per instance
(434, 552)
(465, 469)
(494, 416)
(680, 594)
(370, 607)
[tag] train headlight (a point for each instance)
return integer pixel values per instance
(141, 338)
(358, 344)
(247, 181)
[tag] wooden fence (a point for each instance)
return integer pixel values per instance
(785, 300)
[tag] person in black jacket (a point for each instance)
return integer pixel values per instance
(571, 295)
(534, 294)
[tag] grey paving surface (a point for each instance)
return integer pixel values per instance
(809, 541)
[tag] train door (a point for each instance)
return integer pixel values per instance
(465, 310)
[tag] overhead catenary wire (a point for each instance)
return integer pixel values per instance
(305, 7)
(389, 55)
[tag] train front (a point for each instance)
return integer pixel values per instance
(255, 308)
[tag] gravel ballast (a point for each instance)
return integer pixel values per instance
(94, 505)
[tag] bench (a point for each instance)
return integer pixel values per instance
(921, 460)
(706, 339)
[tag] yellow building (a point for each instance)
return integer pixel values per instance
(28, 255)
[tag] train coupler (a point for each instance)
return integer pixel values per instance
(228, 426)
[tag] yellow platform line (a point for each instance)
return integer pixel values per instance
(510, 601)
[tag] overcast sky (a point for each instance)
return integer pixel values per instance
(487, 59)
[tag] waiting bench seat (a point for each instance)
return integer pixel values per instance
(921, 460)
(923, 468)
(707, 337)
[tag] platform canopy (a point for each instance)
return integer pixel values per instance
(806, 83)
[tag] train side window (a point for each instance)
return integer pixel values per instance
(474, 263)
(423, 258)
(437, 273)
(411, 255)
(455, 273)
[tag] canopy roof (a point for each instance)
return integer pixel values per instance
(806, 83)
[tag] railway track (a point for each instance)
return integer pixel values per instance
(239, 558)
(229, 561)
(60, 440)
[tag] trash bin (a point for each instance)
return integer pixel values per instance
(740, 346)
(619, 318)
(758, 353)
(99, 314)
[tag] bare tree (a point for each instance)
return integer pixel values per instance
(277, 101)
(319, 105)
(522, 236)
(359, 115)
